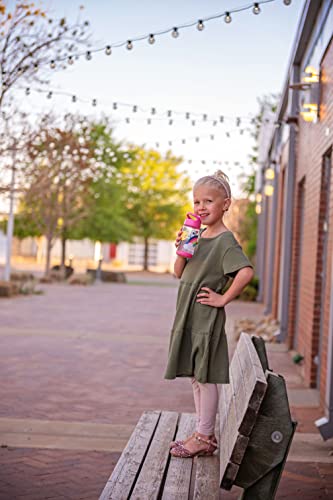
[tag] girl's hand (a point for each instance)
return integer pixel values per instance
(210, 298)
(179, 238)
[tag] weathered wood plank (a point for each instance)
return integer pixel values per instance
(122, 479)
(225, 397)
(148, 484)
(178, 480)
(207, 484)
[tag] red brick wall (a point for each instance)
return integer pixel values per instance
(314, 140)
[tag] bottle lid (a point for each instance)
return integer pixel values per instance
(192, 220)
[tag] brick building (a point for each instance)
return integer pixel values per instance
(295, 205)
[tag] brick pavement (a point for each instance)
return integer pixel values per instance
(97, 355)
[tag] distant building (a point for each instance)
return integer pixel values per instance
(295, 237)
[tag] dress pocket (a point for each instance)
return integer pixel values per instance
(203, 318)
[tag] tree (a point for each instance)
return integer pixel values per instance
(248, 225)
(31, 42)
(59, 173)
(158, 195)
(107, 218)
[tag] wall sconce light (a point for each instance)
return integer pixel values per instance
(268, 189)
(269, 174)
(309, 88)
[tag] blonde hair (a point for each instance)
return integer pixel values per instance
(219, 180)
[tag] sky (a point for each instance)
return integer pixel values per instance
(219, 71)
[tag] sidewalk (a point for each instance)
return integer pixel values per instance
(78, 365)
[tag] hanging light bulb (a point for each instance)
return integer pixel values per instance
(287, 2)
(238, 120)
(108, 50)
(115, 106)
(204, 117)
(197, 139)
(49, 95)
(170, 143)
(183, 141)
(148, 121)
(127, 120)
(212, 137)
(187, 116)
(151, 39)
(175, 33)
(227, 18)
(129, 45)
(94, 102)
(193, 123)
(221, 119)
(256, 8)
(153, 111)
(169, 113)
(170, 122)
(27, 91)
(227, 134)
(135, 108)
(52, 64)
(214, 123)
(88, 55)
(200, 25)
(73, 98)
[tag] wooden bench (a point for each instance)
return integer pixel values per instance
(254, 430)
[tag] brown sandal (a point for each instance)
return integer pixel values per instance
(182, 452)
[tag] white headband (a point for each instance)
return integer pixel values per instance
(223, 183)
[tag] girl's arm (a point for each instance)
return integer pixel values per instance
(211, 298)
(179, 266)
(242, 278)
(180, 261)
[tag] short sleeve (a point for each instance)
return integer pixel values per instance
(234, 259)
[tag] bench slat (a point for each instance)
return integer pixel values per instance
(239, 406)
(149, 481)
(178, 481)
(207, 484)
(121, 481)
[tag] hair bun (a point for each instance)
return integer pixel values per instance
(221, 175)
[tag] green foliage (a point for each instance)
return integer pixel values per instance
(158, 194)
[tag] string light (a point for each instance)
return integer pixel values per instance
(200, 117)
(94, 102)
(175, 33)
(52, 64)
(200, 25)
(70, 60)
(88, 55)
(49, 95)
(27, 91)
(227, 18)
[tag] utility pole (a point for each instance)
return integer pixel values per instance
(10, 224)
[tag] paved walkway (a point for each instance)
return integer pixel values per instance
(78, 365)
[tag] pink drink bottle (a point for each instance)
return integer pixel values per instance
(189, 241)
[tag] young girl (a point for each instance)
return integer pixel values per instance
(198, 345)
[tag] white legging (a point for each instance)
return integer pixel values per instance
(206, 398)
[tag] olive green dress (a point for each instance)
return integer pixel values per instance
(198, 344)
